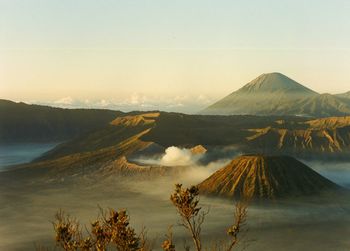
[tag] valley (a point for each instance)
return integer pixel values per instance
(174, 125)
(292, 165)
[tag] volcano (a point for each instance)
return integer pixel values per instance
(277, 94)
(265, 177)
(266, 94)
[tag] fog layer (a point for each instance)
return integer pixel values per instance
(313, 223)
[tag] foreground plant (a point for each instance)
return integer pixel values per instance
(68, 232)
(111, 230)
(186, 202)
(240, 217)
(168, 243)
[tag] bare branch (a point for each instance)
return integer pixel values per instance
(186, 202)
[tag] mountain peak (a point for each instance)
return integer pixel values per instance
(274, 82)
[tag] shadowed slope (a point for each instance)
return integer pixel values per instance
(322, 105)
(264, 95)
(276, 94)
(257, 176)
(22, 122)
(345, 95)
(275, 83)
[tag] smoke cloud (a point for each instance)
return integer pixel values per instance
(175, 156)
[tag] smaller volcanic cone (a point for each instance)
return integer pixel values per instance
(268, 177)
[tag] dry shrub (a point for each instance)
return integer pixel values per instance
(168, 243)
(233, 231)
(112, 230)
(240, 217)
(186, 202)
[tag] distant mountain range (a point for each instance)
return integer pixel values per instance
(276, 94)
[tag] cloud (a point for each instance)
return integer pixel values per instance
(64, 101)
(138, 101)
(134, 99)
(203, 99)
(103, 103)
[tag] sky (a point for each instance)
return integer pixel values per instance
(178, 55)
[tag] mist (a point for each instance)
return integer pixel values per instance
(338, 172)
(17, 153)
(28, 209)
(287, 225)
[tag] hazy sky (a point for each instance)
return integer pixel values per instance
(176, 55)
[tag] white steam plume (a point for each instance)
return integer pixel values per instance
(175, 156)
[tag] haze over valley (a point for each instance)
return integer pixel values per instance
(121, 159)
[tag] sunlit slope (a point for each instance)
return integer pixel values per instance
(268, 177)
(149, 134)
(139, 134)
(319, 137)
(329, 123)
(96, 161)
(164, 129)
(282, 135)
(114, 132)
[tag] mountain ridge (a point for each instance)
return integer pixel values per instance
(21, 122)
(216, 136)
